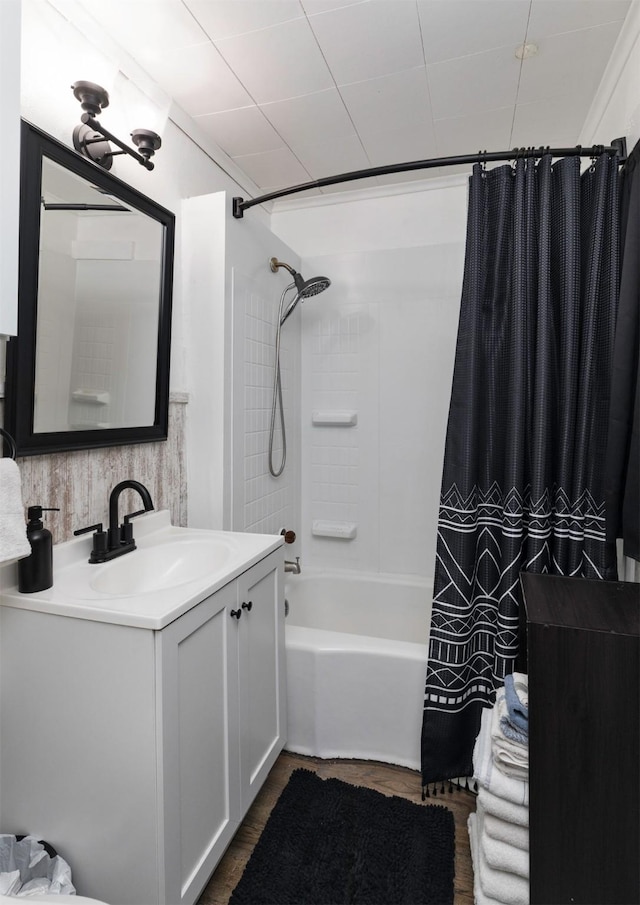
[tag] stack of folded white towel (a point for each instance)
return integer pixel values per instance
(499, 830)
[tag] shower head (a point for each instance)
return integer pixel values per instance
(314, 286)
(305, 288)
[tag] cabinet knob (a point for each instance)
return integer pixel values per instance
(247, 606)
(236, 613)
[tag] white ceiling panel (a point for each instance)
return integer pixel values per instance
(569, 64)
(228, 18)
(388, 147)
(312, 7)
(395, 102)
(463, 27)
(551, 115)
(484, 81)
(150, 26)
(274, 168)
(487, 130)
(242, 131)
(554, 18)
(199, 79)
(279, 62)
(368, 40)
(332, 156)
(300, 89)
(311, 118)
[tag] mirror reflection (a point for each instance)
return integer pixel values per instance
(99, 277)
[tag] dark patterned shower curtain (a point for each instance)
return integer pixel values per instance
(522, 484)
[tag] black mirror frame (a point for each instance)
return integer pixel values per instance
(21, 349)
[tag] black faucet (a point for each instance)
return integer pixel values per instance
(119, 538)
(122, 535)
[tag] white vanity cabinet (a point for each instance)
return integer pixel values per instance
(137, 752)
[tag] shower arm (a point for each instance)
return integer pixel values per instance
(275, 264)
(618, 148)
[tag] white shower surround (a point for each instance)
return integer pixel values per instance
(380, 342)
(356, 648)
(382, 345)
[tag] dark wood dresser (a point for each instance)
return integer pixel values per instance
(583, 651)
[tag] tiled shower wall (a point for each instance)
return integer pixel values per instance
(264, 504)
(79, 482)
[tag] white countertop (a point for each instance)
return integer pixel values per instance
(72, 593)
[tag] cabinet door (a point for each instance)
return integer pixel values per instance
(261, 676)
(197, 722)
(79, 748)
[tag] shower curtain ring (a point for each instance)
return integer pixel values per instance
(598, 150)
(518, 153)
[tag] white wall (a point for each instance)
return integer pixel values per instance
(261, 502)
(615, 111)
(380, 341)
(231, 354)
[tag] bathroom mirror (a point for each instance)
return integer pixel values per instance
(90, 364)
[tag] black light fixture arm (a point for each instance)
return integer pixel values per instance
(92, 139)
(92, 123)
(618, 147)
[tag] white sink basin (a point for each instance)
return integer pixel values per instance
(166, 565)
(171, 570)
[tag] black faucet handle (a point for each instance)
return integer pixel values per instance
(99, 541)
(126, 529)
(131, 515)
(97, 528)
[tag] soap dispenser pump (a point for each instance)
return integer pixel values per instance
(35, 572)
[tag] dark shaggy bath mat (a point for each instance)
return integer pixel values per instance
(331, 843)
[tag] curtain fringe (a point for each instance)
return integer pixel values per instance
(455, 784)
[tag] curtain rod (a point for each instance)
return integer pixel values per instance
(618, 146)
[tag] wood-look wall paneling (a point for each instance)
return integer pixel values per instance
(79, 482)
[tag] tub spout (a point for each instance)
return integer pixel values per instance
(293, 566)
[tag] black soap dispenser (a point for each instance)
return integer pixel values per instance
(35, 572)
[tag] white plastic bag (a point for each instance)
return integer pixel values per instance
(28, 869)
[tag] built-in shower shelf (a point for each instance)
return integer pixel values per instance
(334, 419)
(94, 397)
(341, 530)
(90, 425)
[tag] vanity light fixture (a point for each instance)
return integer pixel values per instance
(92, 139)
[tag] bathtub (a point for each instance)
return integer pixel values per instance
(356, 651)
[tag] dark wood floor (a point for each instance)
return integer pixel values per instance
(386, 778)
